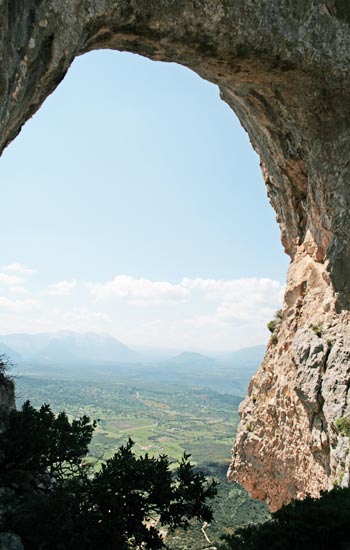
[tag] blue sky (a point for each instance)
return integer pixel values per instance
(133, 204)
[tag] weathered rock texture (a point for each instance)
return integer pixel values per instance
(283, 67)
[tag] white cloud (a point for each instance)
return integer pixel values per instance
(17, 306)
(83, 319)
(12, 276)
(83, 314)
(62, 288)
(6, 279)
(246, 299)
(18, 268)
(201, 321)
(18, 290)
(140, 291)
(236, 299)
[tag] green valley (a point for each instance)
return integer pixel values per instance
(161, 416)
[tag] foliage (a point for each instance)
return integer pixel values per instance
(117, 507)
(317, 330)
(5, 366)
(310, 524)
(343, 425)
(271, 325)
(39, 442)
(232, 508)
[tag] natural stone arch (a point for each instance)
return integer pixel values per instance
(283, 67)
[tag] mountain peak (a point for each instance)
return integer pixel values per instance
(67, 346)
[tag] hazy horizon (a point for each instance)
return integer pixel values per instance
(135, 347)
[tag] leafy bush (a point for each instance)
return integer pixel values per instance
(60, 504)
(343, 425)
(317, 330)
(310, 524)
(271, 325)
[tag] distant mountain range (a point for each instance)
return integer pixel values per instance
(67, 347)
(9, 352)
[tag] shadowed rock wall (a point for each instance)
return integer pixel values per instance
(283, 67)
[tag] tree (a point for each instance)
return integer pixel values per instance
(65, 505)
(4, 366)
(38, 442)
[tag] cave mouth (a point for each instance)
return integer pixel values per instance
(67, 128)
(283, 69)
(147, 186)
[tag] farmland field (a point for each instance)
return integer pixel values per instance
(161, 417)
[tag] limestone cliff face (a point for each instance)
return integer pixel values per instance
(283, 67)
(288, 444)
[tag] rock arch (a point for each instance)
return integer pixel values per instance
(283, 67)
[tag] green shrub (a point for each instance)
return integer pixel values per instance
(275, 321)
(317, 330)
(343, 425)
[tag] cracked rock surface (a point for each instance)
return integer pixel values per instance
(283, 67)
